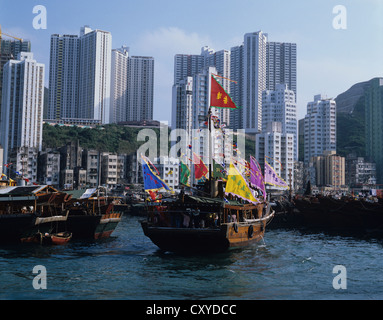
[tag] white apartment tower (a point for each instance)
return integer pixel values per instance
(254, 80)
(21, 115)
(63, 77)
(281, 65)
(119, 84)
(320, 127)
(94, 77)
(279, 105)
(278, 150)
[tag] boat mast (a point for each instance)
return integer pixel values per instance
(210, 154)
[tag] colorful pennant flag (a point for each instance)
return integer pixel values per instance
(236, 185)
(256, 176)
(184, 174)
(272, 178)
(151, 180)
(219, 171)
(219, 97)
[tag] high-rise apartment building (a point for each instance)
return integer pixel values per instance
(94, 77)
(80, 69)
(119, 84)
(279, 106)
(281, 65)
(63, 77)
(320, 127)
(10, 49)
(254, 80)
(21, 121)
(374, 125)
(140, 88)
(248, 69)
(236, 74)
(278, 150)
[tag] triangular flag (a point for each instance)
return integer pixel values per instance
(219, 97)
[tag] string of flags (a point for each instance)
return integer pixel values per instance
(17, 173)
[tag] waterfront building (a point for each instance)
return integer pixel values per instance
(119, 84)
(92, 163)
(373, 125)
(64, 77)
(278, 150)
(279, 105)
(109, 169)
(140, 90)
(21, 122)
(48, 169)
(281, 65)
(320, 127)
(359, 171)
(330, 169)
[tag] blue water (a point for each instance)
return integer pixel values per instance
(288, 265)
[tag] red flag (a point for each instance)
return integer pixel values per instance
(219, 97)
(200, 170)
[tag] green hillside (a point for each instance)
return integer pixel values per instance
(351, 131)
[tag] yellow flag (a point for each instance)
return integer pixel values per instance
(236, 185)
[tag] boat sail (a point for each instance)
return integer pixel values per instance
(229, 213)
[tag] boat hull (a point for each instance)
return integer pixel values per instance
(193, 240)
(24, 227)
(91, 226)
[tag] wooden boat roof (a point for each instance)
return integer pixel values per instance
(27, 191)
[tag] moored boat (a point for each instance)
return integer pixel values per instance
(91, 214)
(28, 211)
(199, 225)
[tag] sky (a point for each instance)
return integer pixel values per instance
(330, 60)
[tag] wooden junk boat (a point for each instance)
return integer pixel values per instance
(26, 211)
(200, 224)
(90, 214)
(206, 224)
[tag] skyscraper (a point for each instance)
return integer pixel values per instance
(254, 80)
(279, 106)
(94, 77)
(281, 65)
(320, 127)
(140, 88)
(80, 69)
(10, 49)
(119, 84)
(374, 125)
(63, 77)
(248, 68)
(21, 121)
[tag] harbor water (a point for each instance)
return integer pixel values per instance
(289, 264)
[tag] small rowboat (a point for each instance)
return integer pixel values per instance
(60, 238)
